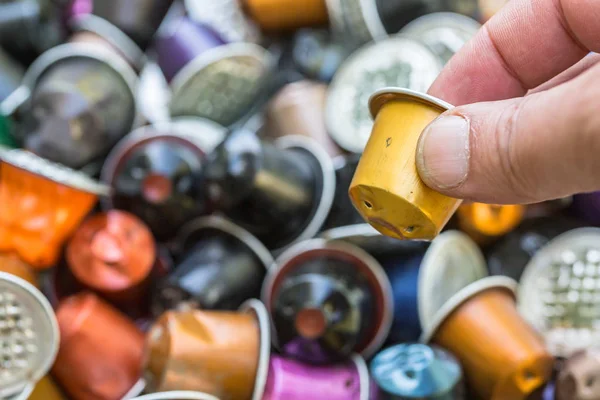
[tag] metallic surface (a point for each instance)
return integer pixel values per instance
(139, 19)
(113, 253)
(113, 36)
(274, 194)
(28, 333)
(12, 264)
(396, 61)
(418, 371)
(11, 75)
(398, 203)
(327, 300)
(486, 222)
(356, 21)
(217, 352)
(180, 42)
(43, 204)
(579, 379)
(512, 253)
(444, 33)
(156, 174)
(286, 15)
(81, 105)
(317, 53)
(221, 84)
(559, 293)
(481, 322)
(222, 266)
(299, 109)
(101, 350)
(292, 380)
(587, 207)
(226, 17)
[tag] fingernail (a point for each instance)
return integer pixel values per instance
(443, 152)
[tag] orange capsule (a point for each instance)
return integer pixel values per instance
(100, 353)
(12, 264)
(286, 15)
(502, 356)
(485, 222)
(113, 253)
(42, 204)
(225, 354)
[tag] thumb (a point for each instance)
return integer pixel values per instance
(539, 147)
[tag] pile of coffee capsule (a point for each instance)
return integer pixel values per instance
(218, 200)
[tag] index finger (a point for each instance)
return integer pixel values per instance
(527, 43)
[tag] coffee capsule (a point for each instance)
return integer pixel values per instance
(481, 322)
(29, 27)
(485, 223)
(398, 203)
(225, 17)
(549, 392)
(43, 203)
(489, 8)
(292, 380)
(328, 300)
(560, 291)
(209, 78)
(286, 15)
(342, 212)
(356, 22)
(46, 389)
(397, 61)
(317, 54)
(89, 28)
(11, 75)
(139, 19)
(6, 137)
(82, 101)
(510, 255)
(579, 379)
(222, 266)
(156, 174)
(299, 109)
(280, 193)
(113, 254)
(548, 208)
(100, 353)
(422, 281)
(29, 336)
(222, 353)
(443, 33)
(418, 371)
(587, 207)
(12, 264)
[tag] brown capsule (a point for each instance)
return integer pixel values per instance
(579, 378)
(299, 109)
(11, 263)
(113, 253)
(286, 15)
(100, 352)
(221, 353)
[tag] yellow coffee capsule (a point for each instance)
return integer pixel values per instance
(387, 189)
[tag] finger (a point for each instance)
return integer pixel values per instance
(526, 44)
(523, 150)
(573, 72)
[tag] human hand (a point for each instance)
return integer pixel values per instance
(533, 133)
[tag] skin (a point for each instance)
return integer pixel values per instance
(533, 113)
